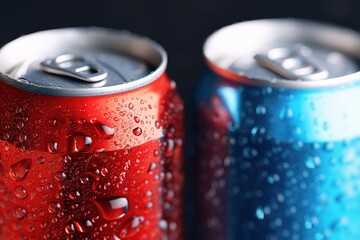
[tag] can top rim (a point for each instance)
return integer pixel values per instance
(125, 42)
(224, 43)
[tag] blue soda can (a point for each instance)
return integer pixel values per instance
(278, 133)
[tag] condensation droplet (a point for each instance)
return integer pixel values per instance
(104, 172)
(70, 229)
(20, 192)
(137, 131)
(54, 207)
(52, 146)
(308, 224)
(74, 195)
(112, 208)
(131, 106)
(31, 228)
(151, 167)
(105, 131)
(312, 162)
(19, 170)
(20, 213)
(260, 110)
(136, 119)
(169, 149)
(157, 124)
(156, 152)
(81, 142)
(83, 226)
(60, 176)
(273, 178)
(163, 225)
(149, 205)
(131, 227)
(286, 113)
(40, 160)
(260, 213)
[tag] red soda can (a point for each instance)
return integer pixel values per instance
(91, 138)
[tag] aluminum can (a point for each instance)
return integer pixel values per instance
(90, 138)
(278, 133)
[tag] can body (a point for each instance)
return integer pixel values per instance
(96, 167)
(277, 163)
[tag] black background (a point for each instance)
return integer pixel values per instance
(180, 26)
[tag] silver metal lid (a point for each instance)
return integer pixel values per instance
(287, 53)
(81, 62)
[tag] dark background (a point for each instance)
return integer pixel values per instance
(180, 26)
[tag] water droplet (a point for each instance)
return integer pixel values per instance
(94, 174)
(70, 229)
(308, 225)
(156, 152)
(136, 119)
(104, 171)
(151, 167)
(149, 205)
(52, 146)
(131, 106)
(83, 226)
(273, 178)
(40, 160)
(137, 131)
(249, 152)
(286, 113)
(116, 237)
(173, 226)
(54, 207)
(60, 176)
(74, 195)
(22, 137)
(157, 124)
(162, 225)
(81, 142)
(170, 146)
(20, 213)
(105, 131)
(258, 130)
(112, 208)
(31, 228)
(132, 227)
(312, 162)
(280, 197)
(127, 149)
(20, 192)
(40, 188)
(329, 146)
(19, 170)
(260, 213)
(260, 110)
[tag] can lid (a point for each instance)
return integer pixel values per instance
(287, 53)
(81, 62)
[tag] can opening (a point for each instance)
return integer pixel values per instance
(74, 66)
(289, 53)
(294, 63)
(81, 62)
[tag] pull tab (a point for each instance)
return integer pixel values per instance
(293, 63)
(74, 66)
